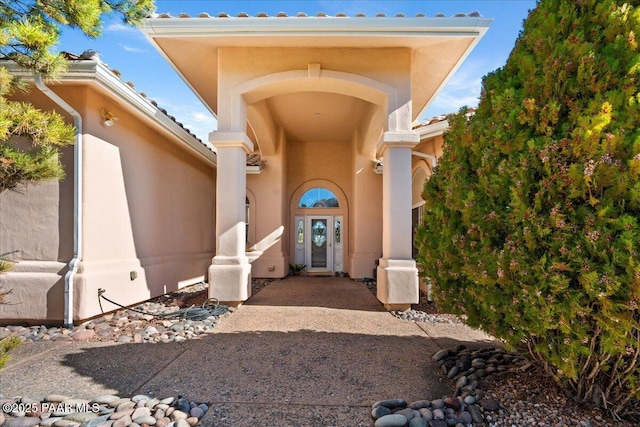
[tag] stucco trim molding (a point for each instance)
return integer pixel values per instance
(92, 71)
(328, 81)
(343, 201)
(402, 139)
(221, 139)
(375, 27)
(269, 85)
(433, 130)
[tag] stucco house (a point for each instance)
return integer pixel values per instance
(329, 104)
(134, 215)
(319, 156)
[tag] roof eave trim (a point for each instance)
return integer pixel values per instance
(462, 59)
(387, 27)
(432, 130)
(106, 77)
(90, 70)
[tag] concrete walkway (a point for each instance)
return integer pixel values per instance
(305, 351)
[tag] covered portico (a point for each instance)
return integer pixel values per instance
(328, 104)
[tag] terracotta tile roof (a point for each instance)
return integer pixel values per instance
(254, 159)
(95, 56)
(441, 118)
(304, 15)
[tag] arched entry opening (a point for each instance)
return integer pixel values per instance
(319, 225)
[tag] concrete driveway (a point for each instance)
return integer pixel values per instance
(305, 351)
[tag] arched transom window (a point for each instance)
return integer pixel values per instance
(318, 197)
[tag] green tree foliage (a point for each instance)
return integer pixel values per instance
(6, 345)
(29, 31)
(531, 220)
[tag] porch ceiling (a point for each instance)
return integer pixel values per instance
(439, 45)
(313, 116)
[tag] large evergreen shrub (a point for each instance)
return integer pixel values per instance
(532, 217)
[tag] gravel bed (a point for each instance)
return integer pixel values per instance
(493, 388)
(519, 393)
(156, 324)
(173, 317)
(100, 411)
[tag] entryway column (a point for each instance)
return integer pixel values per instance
(397, 280)
(230, 271)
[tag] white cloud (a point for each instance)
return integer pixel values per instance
(450, 101)
(118, 27)
(195, 118)
(200, 124)
(132, 49)
(463, 89)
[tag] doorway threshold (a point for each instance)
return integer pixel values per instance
(320, 273)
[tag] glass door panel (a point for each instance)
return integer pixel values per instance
(319, 243)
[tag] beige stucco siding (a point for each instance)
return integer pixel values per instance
(32, 222)
(422, 168)
(44, 214)
(267, 193)
(148, 209)
(388, 65)
(320, 164)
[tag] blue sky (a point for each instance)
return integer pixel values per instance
(127, 49)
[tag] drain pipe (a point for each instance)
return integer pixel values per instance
(77, 194)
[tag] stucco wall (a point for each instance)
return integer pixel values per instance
(44, 212)
(268, 232)
(148, 208)
(317, 163)
(422, 168)
(33, 222)
(366, 236)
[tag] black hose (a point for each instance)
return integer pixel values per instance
(211, 307)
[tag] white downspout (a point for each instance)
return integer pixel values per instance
(77, 199)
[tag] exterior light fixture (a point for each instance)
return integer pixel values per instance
(108, 118)
(377, 166)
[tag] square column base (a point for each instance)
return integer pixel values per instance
(230, 283)
(397, 283)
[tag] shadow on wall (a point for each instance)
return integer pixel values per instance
(256, 251)
(56, 298)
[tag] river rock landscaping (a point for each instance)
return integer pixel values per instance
(490, 386)
(170, 318)
(498, 389)
(494, 388)
(179, 316)
(101, 411)
(467, 405)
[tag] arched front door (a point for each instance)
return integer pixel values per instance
(319, 232)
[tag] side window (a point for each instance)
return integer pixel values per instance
(416, 218)
(246, 220)
(300, 231)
